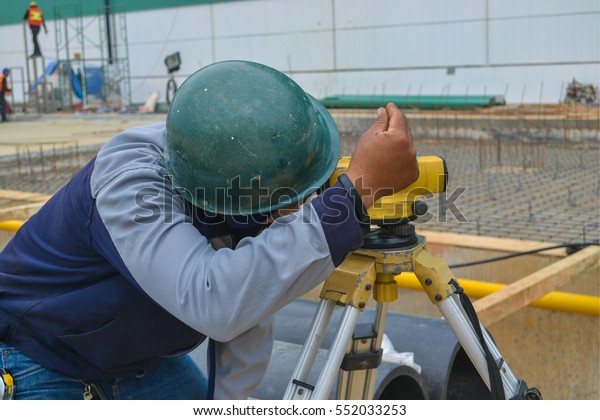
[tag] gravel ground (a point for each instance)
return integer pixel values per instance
(518, 187)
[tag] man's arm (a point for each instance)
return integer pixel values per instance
(241, 363)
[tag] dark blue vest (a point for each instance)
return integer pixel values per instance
(68, 302)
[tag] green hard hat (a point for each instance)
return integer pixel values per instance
(243, 138)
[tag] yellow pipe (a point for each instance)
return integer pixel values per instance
(557, 301)
(11, 225)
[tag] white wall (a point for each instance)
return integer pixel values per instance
(526, 50)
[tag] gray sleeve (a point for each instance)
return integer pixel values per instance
(219, 293)
(242, 362)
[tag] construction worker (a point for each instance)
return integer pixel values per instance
(35, 18)
(5, 88)
(203, 226)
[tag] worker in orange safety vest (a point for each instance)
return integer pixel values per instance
(35, 18)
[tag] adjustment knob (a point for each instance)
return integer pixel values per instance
(420, 208)
(403, 230)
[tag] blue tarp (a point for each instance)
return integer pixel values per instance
(93, 79)
(76, 85)
(50, 69)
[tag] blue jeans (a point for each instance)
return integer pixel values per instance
(173, 378)
(2, 106)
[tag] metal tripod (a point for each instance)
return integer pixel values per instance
(356, 355)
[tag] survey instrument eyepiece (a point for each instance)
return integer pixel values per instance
(404, 205)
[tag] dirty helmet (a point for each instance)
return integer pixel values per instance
(244, 139)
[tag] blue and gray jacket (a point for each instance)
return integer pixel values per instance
(116, 271)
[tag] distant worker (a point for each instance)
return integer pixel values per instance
(203, 226)
(5, 89)
(35, 18)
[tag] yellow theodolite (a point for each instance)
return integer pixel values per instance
(391, 247)
(405, 204)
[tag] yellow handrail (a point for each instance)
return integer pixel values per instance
(11, 225)
(557, 301)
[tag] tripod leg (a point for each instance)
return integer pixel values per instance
(298, 388)
(310, 348)
(462, 328)
(438, 282)
(359, 369)
(350, 286)
(336, 353)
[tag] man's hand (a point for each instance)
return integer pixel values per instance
(384, 160)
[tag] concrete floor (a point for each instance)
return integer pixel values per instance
(517, 185)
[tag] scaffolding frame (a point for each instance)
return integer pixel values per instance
(33, 90)
(73, 43)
